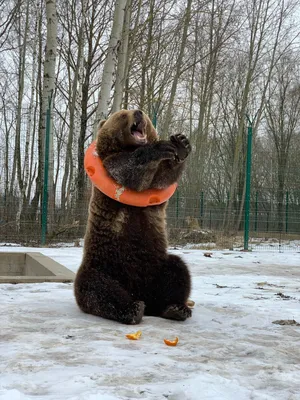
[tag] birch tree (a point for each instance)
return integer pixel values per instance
(123, 57)
(22, 44)
(48, 93)
(110, 63)
(26, 177)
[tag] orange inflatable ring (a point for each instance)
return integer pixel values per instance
(100, 178)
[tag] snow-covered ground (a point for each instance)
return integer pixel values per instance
(229, 350)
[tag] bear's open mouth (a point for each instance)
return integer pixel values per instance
(137, 131)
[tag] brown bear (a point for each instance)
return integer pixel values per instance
(126, 271)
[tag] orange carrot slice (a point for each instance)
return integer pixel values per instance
(134, 336)
(171, 342)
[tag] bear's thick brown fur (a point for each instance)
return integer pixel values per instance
(126, 271)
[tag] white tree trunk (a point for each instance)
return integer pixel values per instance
(110, 63)
(21, 79)
(74, 125)
(48, 90)
(50, 56)
(122, 61)
(25, 172)
(17, 155)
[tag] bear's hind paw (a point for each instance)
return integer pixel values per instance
(178, 312)
(135, 313)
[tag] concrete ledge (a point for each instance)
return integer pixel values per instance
(32, 267)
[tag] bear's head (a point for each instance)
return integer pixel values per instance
(124, 130)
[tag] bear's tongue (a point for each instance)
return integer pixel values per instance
(138, 135)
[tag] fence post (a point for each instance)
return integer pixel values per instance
(256, 211)
(201, 208)
(248, 185)
(287, 212)
(154, 119)
(46, 173)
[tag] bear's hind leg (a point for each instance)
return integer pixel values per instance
(104, 297)
(172, 289)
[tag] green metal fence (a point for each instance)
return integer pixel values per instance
(200, 223)
(196, 222)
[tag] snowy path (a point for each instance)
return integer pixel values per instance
(230, 349)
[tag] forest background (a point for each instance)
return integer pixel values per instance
(209, 69)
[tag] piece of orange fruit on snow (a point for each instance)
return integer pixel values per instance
(171, 342)
(134, 336)
(190, 303)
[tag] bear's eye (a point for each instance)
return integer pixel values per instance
(123, 115)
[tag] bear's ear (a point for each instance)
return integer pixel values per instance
(101, 123)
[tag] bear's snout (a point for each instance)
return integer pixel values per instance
(138, 116)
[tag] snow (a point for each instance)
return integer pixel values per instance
(229, 349)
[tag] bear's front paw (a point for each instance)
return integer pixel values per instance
(179, 312)
(164, 150)
(183, 147)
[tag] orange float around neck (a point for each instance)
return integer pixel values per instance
(100, 178)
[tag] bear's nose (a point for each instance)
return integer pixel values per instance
(138, 114)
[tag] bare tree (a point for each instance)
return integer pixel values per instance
(193, 67)
(74, 68)
(22, 39)
(186, 22)
(123, 58)
(25, 177)
(283, 121)
(96, 24)
(110, 62)
(48, 93)
(8, 14)
(264, 18)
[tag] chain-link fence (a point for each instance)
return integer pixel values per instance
(197, 222)
(200, 222)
